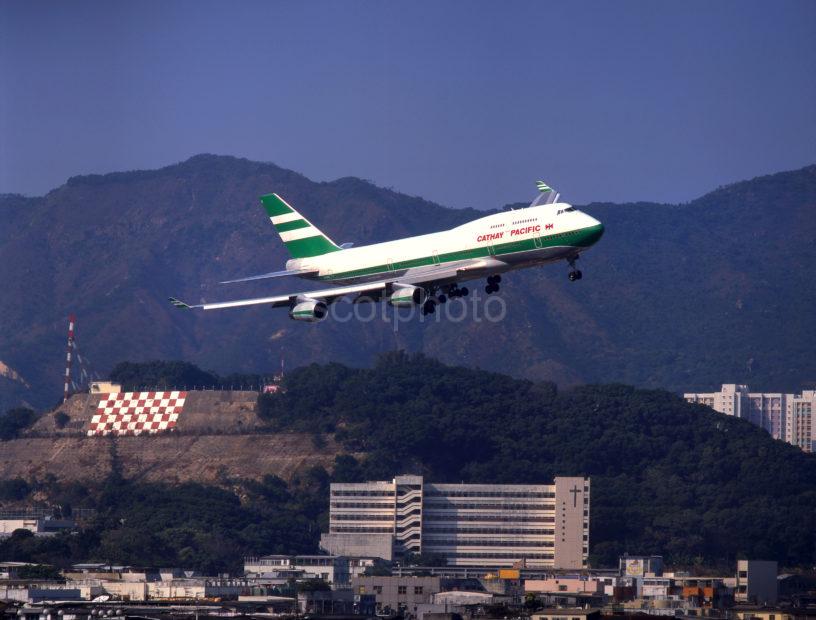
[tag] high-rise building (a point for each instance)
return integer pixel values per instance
(800, 429)
(788, 417)
(468, 524)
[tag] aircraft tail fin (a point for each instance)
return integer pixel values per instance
(298, 234)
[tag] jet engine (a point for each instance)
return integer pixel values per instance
(406, 295)
(309, 310)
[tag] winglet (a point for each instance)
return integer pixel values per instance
(179, 304)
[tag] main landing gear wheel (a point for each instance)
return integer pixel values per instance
(458, 292)
(493, 284)
(429, 307)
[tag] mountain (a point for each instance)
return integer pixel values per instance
(678, 296)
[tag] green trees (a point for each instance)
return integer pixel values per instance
(15, 420)
(177, 375)
(667, 477)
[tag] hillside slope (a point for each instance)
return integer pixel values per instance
(171, 458)
(669, 478)
(674, 296)
(218, 436)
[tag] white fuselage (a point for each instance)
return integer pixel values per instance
(505, 241)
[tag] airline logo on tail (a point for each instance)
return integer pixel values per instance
(302, 238)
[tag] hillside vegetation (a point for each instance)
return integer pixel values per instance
(668, 477)
(675, 296)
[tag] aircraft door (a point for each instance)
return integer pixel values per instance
(435, 257)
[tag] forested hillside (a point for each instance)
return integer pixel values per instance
(680, 480)
(674, 296)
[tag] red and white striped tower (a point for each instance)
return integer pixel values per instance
(69, 355)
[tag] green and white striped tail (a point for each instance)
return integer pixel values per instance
(543, 187)
(300, 237)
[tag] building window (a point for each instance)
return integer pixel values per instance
(377, 589)
(418, 590)
(402, 589)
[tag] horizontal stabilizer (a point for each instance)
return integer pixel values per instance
(274, 274)
(179, 304)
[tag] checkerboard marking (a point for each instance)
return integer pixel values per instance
(134, 413)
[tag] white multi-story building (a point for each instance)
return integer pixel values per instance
(336, 570)
(788, 417)
(491, 525)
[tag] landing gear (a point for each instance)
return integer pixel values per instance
(493, 284)
(429, 307)
(574, 274)
(456, 291)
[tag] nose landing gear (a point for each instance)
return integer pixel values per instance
(574, 274)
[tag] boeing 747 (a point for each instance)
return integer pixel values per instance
(424, 270)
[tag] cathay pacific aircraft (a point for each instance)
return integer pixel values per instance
(425, 270)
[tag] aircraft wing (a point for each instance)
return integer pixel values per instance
(473, 267)
(328, 294)
(274, 274)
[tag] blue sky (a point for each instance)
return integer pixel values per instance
(464, 103)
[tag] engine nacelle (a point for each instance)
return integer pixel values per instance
(309, 310)
(406, 295)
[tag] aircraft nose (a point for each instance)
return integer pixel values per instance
(596, 230)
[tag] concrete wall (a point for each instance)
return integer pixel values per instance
(357, 545)
(398, 592)
(571, 500)
(564, 584)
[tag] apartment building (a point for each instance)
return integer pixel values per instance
(485, 525)
(788, 417)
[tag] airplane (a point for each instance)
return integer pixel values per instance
(420, 271)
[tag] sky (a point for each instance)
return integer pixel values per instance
(466, 103)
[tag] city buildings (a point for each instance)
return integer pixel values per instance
(485, 525)
(333, 569)
(756, 582)
(788, 417)
(37, 525)
(395, 594)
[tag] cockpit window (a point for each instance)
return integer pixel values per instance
(567, 210)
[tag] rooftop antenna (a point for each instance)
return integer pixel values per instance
(69, 355)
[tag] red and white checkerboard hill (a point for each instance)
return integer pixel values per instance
(151, 413)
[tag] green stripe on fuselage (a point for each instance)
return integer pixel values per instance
(293, 225)
(275, 206)
(582, 238)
